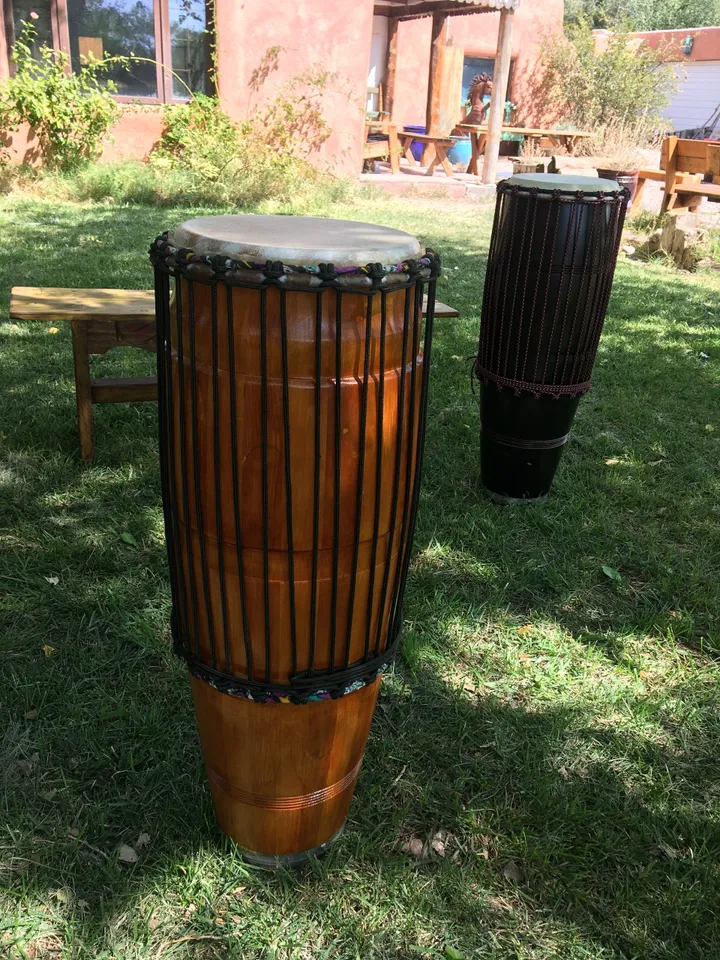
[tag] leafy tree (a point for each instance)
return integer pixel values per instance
(645, 14)
(625, 84)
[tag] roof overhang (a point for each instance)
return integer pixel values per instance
(410, 9)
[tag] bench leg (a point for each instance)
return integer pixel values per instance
(637, 199)
(83, 396)
(394, 150)
(406, 145)
(444, 162)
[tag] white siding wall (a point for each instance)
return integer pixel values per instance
(698, 97)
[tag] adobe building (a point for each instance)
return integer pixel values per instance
(383, 44)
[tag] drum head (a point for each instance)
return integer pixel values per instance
(302, 241)
(565, 182)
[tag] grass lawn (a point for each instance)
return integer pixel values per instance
(561, 727)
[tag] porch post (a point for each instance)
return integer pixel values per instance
(439, 40)
(391, 65)
(499, 94)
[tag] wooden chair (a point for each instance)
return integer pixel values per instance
(385, 145)
(683, 165)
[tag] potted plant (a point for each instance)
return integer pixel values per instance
(617, 151)
(623, 166)
(532, 159)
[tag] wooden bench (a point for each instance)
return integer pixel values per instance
(101, 320)
(435, 152)
(683, 164)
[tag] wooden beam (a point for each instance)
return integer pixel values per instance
(124, 390)
(405, 11)
(499, 93)
(392, 52)
(439, 39)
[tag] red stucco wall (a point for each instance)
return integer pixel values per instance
(706, 44)
(134, 135)
(337, 36)
(477, 35)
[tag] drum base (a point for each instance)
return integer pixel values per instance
(282, 775)
(508, 501)
(521, 443)
(275, 862)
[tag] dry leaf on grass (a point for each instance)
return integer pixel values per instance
(513, 872)
(63, 895)
(126, 854)
(53, 580)
(414, 847)
(142, 841)
(47, 649)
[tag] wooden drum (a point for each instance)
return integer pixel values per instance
(293, 370)
(550, 271)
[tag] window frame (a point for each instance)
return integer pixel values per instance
(163, 47)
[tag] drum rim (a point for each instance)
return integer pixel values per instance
(210, 268)
(563, 185)
(397, 245)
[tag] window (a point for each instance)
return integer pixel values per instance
(116, 28)
(38, 14)
(164, 37)
(472, 66)
(188, 38)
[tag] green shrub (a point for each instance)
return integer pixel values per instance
(625, 84)
(264, 157)
(646, 14)
(71, 113)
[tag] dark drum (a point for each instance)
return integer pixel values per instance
(292, 386)
(550, 269)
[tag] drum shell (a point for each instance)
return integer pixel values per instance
(352, 565)
(549, 278)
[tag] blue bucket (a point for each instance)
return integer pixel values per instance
(417, 146)
(460, 152)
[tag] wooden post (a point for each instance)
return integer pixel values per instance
(439, 39)
(499, 93)
(669, 156)
(4, 45)
(391, 65)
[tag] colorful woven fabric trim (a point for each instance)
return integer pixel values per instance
(277, 696)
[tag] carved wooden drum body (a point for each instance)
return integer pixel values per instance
(550, 271)
(293, 371)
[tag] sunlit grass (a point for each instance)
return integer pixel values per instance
(544, 715)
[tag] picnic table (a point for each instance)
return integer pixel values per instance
(558, 138)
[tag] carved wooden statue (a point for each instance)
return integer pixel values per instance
(480, 87)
